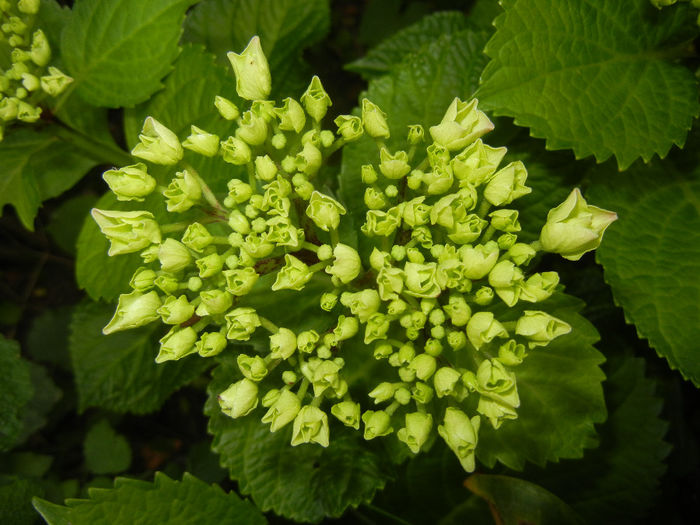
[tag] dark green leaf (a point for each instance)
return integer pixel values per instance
(66, 222)
(15, 501)
(117, 51)
(651, 257)
(15, 392)
(47, 341)
(46, 395)
(106, 452)
(118, 372)
(163, 501)
(597, 77)
(303, 483)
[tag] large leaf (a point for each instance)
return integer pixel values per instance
(117, 51)
(35, 166)
(163, 501)
(303, 483)
(561, 395)
(651, 257)
(106, 452)
(285, 28)
(599, 77)
(118, 371)
(45, 395)
(15, 392)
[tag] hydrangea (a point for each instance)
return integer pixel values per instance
(422, 301)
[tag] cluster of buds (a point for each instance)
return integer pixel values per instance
(28, 79)
(445, 249)
(665, 3)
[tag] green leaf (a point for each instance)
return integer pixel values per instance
(598, 77)
(651, 257)
(383, 18)
(163, 501)
(15, 392)
(47, 341)
(561, 395)
(35, 166)
(392, 51)
(303, 483)
(46, 395)
(285, 27)
(106, 452)
(117, 51)
(118, 372)
(66, 221)
(15, 500)
(617, 482)
(514, 501)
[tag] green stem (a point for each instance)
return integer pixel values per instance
(268, 325)
(339, 143)
(302, 389)
(98, 151)
(536, 245)
(309, 246)
(334, 237)
(251, 175)
(392, 408)
(174, 227)
(206, 190)
(483, 208)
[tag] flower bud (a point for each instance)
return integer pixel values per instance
(265, 168)
(315, 100)
(539, 286)
(346, 263)
(348, 412)
(415, 213)
(291, 116)
(505, 220)
(253, 80)
(462, 124)
(506, 279)
(417, 430)
(202, 142)
(380, 223)
(374, 199)
(507, 184)
(308, 160)
(521, 253)
(176, 344)
(128, 231)
(482, 328)
(240, 281)
(252, 367)
(376, 328)
(447, 382)
(362, 304)
(393, 166)
(27, 112)
(293, 275)
(283, 344)
(252, 129)
(575, 227)
(306, 341)
(30, 82)
(239, 191)
(235, 151)
(158, 144)
(416, 134)
(310, 425)
(374, 120)
(283, 411)
(167, 283)
(438, 181)
(241, 323)
(349, 127)
(461, 435)
(174, 256)
(423, 365)
(477, 163)
(324, 211)
(368, 174)
(134, 310)
(540, 327)
(458, 310)
(264, 109)
(239, 399)
(511, 353)
(176, 310)
(28, 7)
(209, 265)
(210, 344)
(226, 108)
(214, 302)
(421, 393)
(8, 108)
(346, 328)
(382, 392)
(499, 397)
(130, 182)
(479, 260)
(143, 280)
(456, 340)
(377, 424)
(453, 208)
(422, 280)
(183, 192)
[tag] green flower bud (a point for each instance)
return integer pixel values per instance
(315, 100)
(374, 120)
(209, 265)
(348, 412)
(239, 191)
(183, 192)
(507, 184)
(235, 151)
(130, 182)
(421, 392)
(575, 227)
(174, 256)
(306, 341)
(214, 302)
(309, 159)
(349, 127)
(438, 181)
(167, 283)
(324, 211)
(293, 276)
(158, 144)
(239, 399)
(270, 397)
(240, 281)
(453, 208)
(461, 435)
(30, 82)
(282, 411)
(393, 166)
(265, 168)
(291, 116)
(511, 353)
(380, 223)
(176, 344)
(346, 263)
(194, 284)
(483, 328)
(438, 156)
(458, 310)
(226, 108)
(540, 327)
(210, 344)
(416, 134)
(407, 375)
(402, 395)
(376, 328)
(175, 310)
(368, 174)
(346, 328)
(253, 80)
(241, 323)
(143, 279)
(238, 222)
(328, 301)
(467, 230)
(499, 392)
(128, 231)
(202, 142)
(423, 365)
(252, 129)
(539, 287)
(505, 220)
(362, 304)
(477, 163)
(417, 430)
(264, 109)
(506, 279)
(289, 377)
(26, 112)
(325, 376)
(415, 213)
(479, 260)
(134, 310)
(382, 392)
(374, 199)
(252, 367)
(462, 124)
(310, 426)
(456, 340)
(377, 424)
(8, 108)
(28, 7)
(447, 382)
(422, 280)
(283, 344)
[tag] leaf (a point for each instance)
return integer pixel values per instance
(303, 483)
(163, 501)
(118, 372)
(651, 257)
(106, 452)
(382, 18)
(15, 392)
(15, 500)
(47, 341)
(597, 77)
(392, 51)
(514, 501)
(285, 27)
(561, 395)
(46, 395)
(66, 221)
(35, 166)
(617, 482)
(117, 51)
